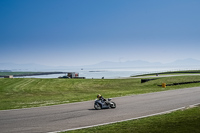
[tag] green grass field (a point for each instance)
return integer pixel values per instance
(186, 121)
(31, 92)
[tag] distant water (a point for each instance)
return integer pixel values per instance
(110, 73)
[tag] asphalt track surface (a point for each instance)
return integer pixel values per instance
(75, 115)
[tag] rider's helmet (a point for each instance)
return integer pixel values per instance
(99, 96)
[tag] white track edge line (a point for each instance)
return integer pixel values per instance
(165, 112)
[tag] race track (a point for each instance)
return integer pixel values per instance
(68, 116)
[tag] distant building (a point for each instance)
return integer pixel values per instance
(9, 76)
(72, 74)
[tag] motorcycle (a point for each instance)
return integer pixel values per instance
(104, 104)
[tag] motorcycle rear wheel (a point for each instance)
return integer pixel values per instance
(97, 106)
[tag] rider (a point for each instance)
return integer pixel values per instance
(100, 97)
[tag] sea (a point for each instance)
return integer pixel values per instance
(113, 73)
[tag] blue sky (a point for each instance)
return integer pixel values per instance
(84, 32)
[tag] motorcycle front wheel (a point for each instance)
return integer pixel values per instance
(113, 105)
(97, 106)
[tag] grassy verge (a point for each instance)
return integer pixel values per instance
(171, 73)
(186, 121)
(16, 73)
(2, 74)
(27, 92)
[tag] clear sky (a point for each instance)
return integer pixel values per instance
(84, 32)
